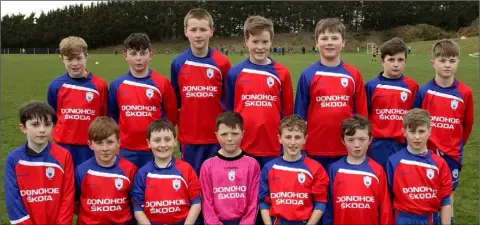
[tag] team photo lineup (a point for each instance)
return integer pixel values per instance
(338, 150)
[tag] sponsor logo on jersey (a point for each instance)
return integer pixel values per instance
(50, 172)
(176, 184)
(209, 73)
(454, 104)
(118, 183)
(270, 81)
(149, 93)
(231, 175)
(367, 180)
(89, 96)
(301, 178)
(344, 81)
(403, 96)
(430, 173)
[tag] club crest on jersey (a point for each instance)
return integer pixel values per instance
(403, 96)
(367, 180)
(454, 104)
(209, 73)
(149, 93)
(231, 175)
(270, 81)
(50, 172)
(430, 173)
(89, 96)
(118, 183)
(301, 178)
(344, 82)
(176, 184)
(455, 173)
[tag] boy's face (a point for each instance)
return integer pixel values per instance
(198, 32)
(357, 145)
(292, 141)
(259, 46)
(445, 67)
(75, 64)
(393, 65)
(138, 60)
(37, 131)
(330, 45)
(229, 138)
(417, 139)
(162, 144)
(106, 149)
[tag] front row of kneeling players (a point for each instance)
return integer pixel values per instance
(291, 189)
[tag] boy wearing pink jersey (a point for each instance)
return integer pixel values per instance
(230, 179)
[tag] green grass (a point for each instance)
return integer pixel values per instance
(26, 77)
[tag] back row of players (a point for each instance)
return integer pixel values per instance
(202, 85)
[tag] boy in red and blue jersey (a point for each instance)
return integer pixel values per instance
(165, 190)
(103, 183)
(293, 187)
(358, 185)
(39, 187)
(329, 91)
(138, 98)
(198, 78)
(418, 179)
(78, 96)
(389, 96)
(260, 89)
(450, 104)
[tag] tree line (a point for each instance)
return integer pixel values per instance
(108, 23)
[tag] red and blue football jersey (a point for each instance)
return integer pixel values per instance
(325, 97)
(388, 100)
(39, 188)
(136, 102)
(263, 95)
(103, 193)
(165, 194)
(292, 190)
(77, 101)
(199, 87)
(359, 190)
(451, 116)
(420, 184)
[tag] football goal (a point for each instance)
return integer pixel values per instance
(370, 48)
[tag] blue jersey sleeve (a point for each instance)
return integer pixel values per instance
(328, 214)
(138, 191)
(369, 89)
(264, 190)
(79, 175)
(13, 200)
(230, 89)
(302, 98)
(52, 95)
(418, 102)
(174, 80)
(112, 102)
(390, 172)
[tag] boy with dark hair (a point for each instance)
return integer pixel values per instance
(418, 179)
(139, 97)
(389, 96)
(230, 179)
(103, 183)
(39, 187)
(358, 185)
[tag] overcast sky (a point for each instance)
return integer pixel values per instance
(27, 7)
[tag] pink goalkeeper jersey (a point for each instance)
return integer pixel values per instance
(230, 189)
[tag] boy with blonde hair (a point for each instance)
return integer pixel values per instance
(260, 89)
(198, 76)
(78, 97)
(329, 88)
(450, 104)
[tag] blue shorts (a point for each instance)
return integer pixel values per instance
(138, 158)
(402, 218)
(230, 222)
(282, 221)
(195, 155)
(382, 148)
(79, 153)
(455, 168)
(325, 161)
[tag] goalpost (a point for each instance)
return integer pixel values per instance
(370, 47)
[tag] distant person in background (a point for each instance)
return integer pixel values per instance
(374, 54)
(303, 50)
(283, 50)
(409, 50)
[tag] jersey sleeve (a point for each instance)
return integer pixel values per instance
(287, 95)
(417, 103)
(104, 100)
(52, 96)
(113, 111)
(414, 89)
(194, 187)
(78, 185)
(302, 98)
(360, 99)
(65, 211)
(224, 68)
(390, 171)
(138, 191)
(328, 214)
(252, 201)
(169, 101)
(369, 92)
(230, 89)
(468, 118)
(446, 186)
(385, 207)
(264, 190)
(174, 79)
(17, 213)
(319, 188)
(208, 208)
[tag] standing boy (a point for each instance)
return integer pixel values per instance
(329, 91)
(358, 185)
(103, 183)
(389, 96)
(293, 187)
(230, 179)
(260, 89)
(450, 104)
(418, 179)
(78, 96)
(39, 186)
(198, 77)
(139, 97)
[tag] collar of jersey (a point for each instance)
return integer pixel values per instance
(380, 75)
(169, 165)
(31, 152)
(242, 153)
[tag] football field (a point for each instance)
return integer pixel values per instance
(26, 77)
